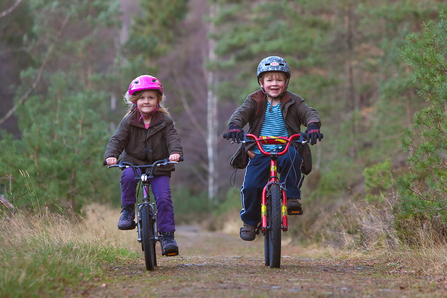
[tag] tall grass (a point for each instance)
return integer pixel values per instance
(43, 254)
(362, 228)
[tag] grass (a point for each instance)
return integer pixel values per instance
(58, 255)
(359, 229)
(43, 254)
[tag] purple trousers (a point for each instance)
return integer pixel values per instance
(161, 189)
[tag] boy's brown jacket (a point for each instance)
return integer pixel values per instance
(294, 111)
(140, 146)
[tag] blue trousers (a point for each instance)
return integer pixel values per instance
(161, 189)
(257, 175)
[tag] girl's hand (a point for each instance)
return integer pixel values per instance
(111, 161)
(174, 157)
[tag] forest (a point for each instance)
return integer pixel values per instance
(376, 71)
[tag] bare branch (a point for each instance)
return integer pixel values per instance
(11, 9)
(199, 176)
(40, 73)
(5, 202)
(188, 109)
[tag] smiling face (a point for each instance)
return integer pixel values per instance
(274, 83)
(147, 101)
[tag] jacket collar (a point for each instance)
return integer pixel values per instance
(156, 118)
(261, 99)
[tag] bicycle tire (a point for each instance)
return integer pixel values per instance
(266, 249)
(148, 238)
(275, 204)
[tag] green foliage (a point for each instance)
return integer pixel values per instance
(378, 179)
(58, 159)
(423, 190)
(190, 207)
(231, 204)
(155, 29)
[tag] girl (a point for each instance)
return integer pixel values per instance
(146, 134)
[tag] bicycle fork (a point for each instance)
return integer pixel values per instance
(274, 180)
(146, 202)
(264, 223)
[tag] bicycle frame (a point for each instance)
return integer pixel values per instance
(273, 175)
(147, 224)
(144, 178)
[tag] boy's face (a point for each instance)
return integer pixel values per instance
(274, 83)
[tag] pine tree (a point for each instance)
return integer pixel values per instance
(423, 189)
(57, 162)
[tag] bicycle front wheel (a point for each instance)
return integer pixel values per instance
(266, 249)
(274, 220)
(148, 237)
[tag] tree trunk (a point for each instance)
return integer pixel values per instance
(211, 140)
(352, 104)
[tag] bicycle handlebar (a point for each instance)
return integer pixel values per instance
(249, 138)
(227, 136)
(123, 164)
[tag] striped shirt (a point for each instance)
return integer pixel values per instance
(273, 125)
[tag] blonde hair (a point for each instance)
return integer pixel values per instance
(131, 100)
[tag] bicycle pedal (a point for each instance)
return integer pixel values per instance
(170, 253)
(295, 212)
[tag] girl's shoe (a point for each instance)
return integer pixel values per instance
(126, 221)
(169, 246)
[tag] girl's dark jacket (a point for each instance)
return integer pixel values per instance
(141, 146)
(294, 111)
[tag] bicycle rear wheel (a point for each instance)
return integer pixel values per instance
(148, 238)
(274, 220)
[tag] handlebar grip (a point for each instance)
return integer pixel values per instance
(226, 135)
(104, 162)
(181, 158)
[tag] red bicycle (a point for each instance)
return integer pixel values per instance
(274, 198)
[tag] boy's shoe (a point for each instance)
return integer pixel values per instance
(248, 232)
(126, 221)
(169, 246)
(294, 207)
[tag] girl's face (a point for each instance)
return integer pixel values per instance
(274, 83)
(147, 102)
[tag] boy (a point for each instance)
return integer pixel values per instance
(271, 111)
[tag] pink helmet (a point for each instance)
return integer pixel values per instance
(145, 82)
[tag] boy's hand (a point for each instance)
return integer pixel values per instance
(313, 131)
(236, 133)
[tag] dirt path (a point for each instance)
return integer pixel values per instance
(222, 265)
